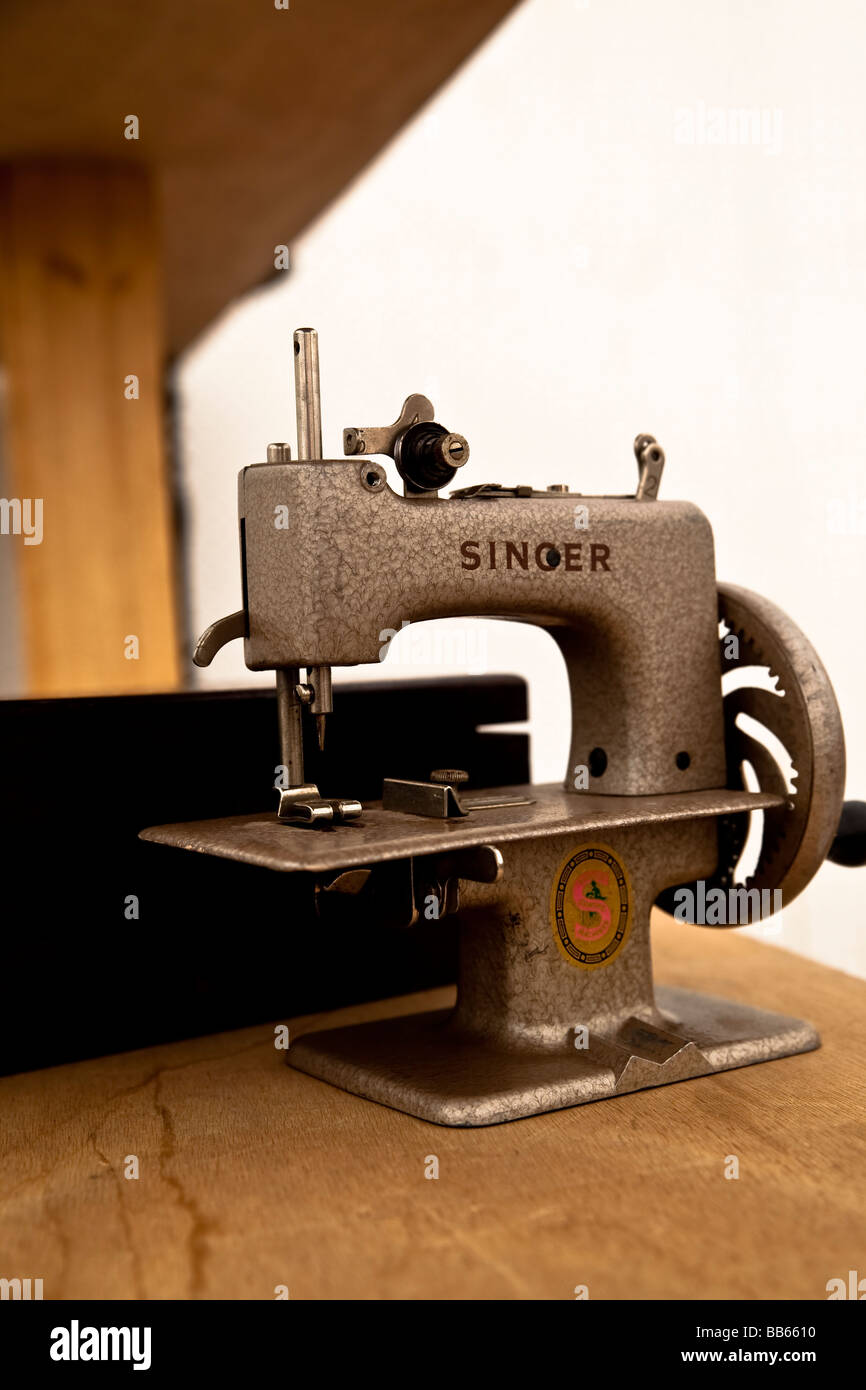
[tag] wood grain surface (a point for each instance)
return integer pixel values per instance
(254, 1176)
(80, 296)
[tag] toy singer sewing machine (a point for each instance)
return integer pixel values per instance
(554, 884)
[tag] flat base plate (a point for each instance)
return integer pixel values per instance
(380, 835)
(419, 1064)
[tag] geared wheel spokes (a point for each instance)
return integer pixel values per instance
(801, 712)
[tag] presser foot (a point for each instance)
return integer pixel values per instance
(423, 1065)
(304, 805)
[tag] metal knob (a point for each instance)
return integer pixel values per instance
(428, 456)
(449, 776)
(279, 453)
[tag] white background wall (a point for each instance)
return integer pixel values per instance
(544, 254)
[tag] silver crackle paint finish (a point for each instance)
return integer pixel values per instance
(508, 1049)
(633, 604)
(640, 638)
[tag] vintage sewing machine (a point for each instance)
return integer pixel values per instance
(554, 884)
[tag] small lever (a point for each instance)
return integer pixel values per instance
(650, 461)
(383, 439)
(222, 631)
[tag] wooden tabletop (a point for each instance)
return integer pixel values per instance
(253, 1176)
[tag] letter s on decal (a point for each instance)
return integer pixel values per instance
(471, 558)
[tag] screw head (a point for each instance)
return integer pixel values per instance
(454, 449)
(373, 476)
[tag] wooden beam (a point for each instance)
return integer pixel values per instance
(80, 293)
(253, 119)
